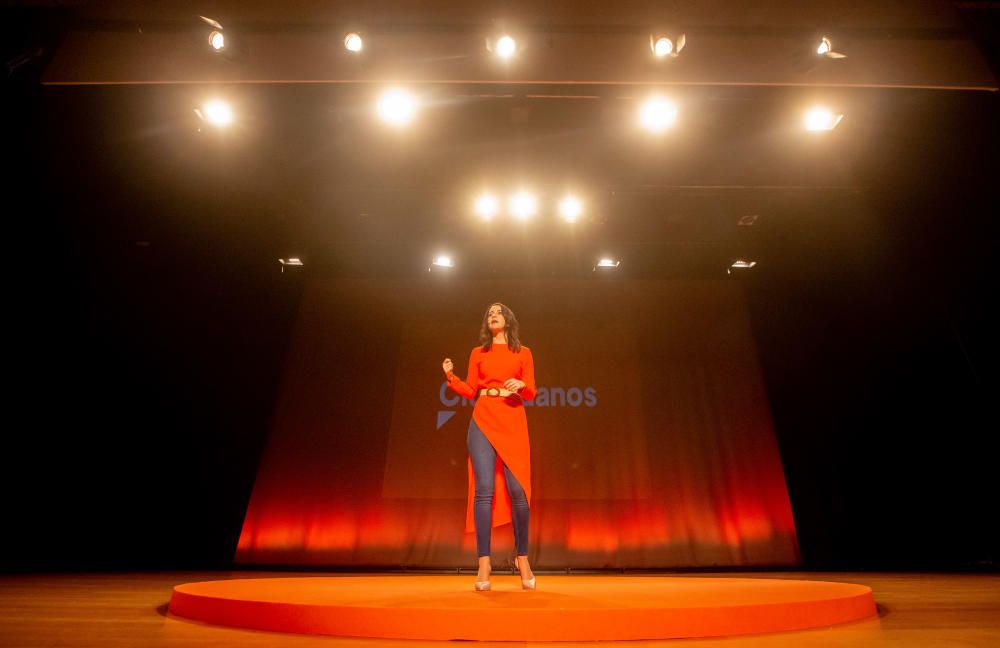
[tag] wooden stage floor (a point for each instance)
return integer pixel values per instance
(129, 609)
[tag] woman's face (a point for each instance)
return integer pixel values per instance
(495, 319)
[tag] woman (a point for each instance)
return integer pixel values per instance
(501, 374)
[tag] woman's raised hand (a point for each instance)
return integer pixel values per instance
(514, 385)
(447, 365)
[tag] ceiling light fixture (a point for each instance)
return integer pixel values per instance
(487, 206)
(353, 42)
(216, 112)
(657, 114)
(292, 262)
(607, 264)
(523, 205)
(441, 262)
(825, 48)
(664, 46)
(821, 119)
(570, 208)
(397, 107)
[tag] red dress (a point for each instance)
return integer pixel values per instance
(502, 420)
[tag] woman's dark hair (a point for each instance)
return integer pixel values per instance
(510, 329)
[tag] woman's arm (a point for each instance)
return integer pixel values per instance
(470, 387)
(527, 374)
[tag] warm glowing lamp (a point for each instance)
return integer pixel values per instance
(487, 206)
(821, 119)
(217, 112)
(397, 107)
(523, 205)
(570, 208)
(353, 42)
(657, 114)
(505, 47)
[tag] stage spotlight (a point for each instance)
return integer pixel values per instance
(293, 262)
(740, 265)
(825, 48)
(487, 206)
(217, 41)
(216, 112)
(607, 264)
(658, 114)
(570, 208)
(441, 262)
(353, 42)
(397, 107)
(821, 119)
(505, 47)
(523, 205)
(664, 46)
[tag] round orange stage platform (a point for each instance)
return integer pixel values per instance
(563, 608)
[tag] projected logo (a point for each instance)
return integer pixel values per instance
(546, 397)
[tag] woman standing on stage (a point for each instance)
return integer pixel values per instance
(501, 375)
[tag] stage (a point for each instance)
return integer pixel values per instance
(132, 609)
(564, 608)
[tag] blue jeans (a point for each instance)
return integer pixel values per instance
(484, 459)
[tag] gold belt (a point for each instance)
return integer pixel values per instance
(497, 391)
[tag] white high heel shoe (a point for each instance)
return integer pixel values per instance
(482, 586)
(528, 584)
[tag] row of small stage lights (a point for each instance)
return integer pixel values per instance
(505, 47)
(398, 107)
(444, 263)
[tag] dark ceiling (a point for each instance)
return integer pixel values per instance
(308, 171)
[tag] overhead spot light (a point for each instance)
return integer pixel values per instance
(506, 47)
(397, 107)
(487, 206)
(607, 264)
(217, 40)
(657, 114)
(740, 265)
(216, 112)
(292, 262)
(523, 205)
(570, 208)
(441, 262)
(825, 48)
(664, 46)
(503, 46)
(821, 119)
(353, 42)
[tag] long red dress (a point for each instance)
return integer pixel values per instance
(502, 420)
